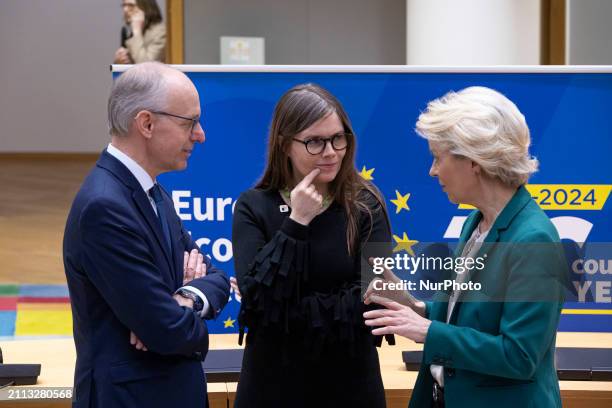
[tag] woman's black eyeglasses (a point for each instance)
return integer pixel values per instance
(316, 145)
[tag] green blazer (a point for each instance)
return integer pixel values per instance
(501, 352)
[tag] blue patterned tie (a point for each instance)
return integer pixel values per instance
(156, 194)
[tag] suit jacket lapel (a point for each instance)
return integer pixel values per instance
(122, 173)
(144, 205)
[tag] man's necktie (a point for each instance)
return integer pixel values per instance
(156, 194)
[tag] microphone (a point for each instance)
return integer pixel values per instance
(126, 34)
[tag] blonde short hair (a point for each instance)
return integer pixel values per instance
(483, 125)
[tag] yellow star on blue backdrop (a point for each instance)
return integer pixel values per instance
(366, 174)
(404, 244)
(228, 323)
(401, 202)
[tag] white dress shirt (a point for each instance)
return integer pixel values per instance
(146, 182)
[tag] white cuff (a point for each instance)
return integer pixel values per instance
(201, 295)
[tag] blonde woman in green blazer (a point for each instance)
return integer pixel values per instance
(493, 347)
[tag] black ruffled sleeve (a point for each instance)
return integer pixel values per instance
(269, 266)
(272, 280)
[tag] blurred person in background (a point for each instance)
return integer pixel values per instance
(143, 37)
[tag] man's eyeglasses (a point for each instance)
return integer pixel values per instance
(316, 145)
(193, 121)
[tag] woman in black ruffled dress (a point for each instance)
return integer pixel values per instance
(298, 237)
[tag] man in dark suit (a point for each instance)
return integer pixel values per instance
(139, 326)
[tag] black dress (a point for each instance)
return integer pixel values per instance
(306, 344)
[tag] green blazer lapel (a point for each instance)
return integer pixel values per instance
(518, 201)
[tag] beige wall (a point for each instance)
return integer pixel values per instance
(300, 32)
(54, 73)
(589, 32)
(55, 54)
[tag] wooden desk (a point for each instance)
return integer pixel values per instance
(399, 383)
(57, 357)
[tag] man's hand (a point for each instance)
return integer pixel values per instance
(396, 319)
(183, 301)
(305, 199)
(193, 266)
(122, 56)
(137, 20)
(135, 341)
(234, 285)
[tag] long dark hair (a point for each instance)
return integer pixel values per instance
(151, 12)
(298, 109)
